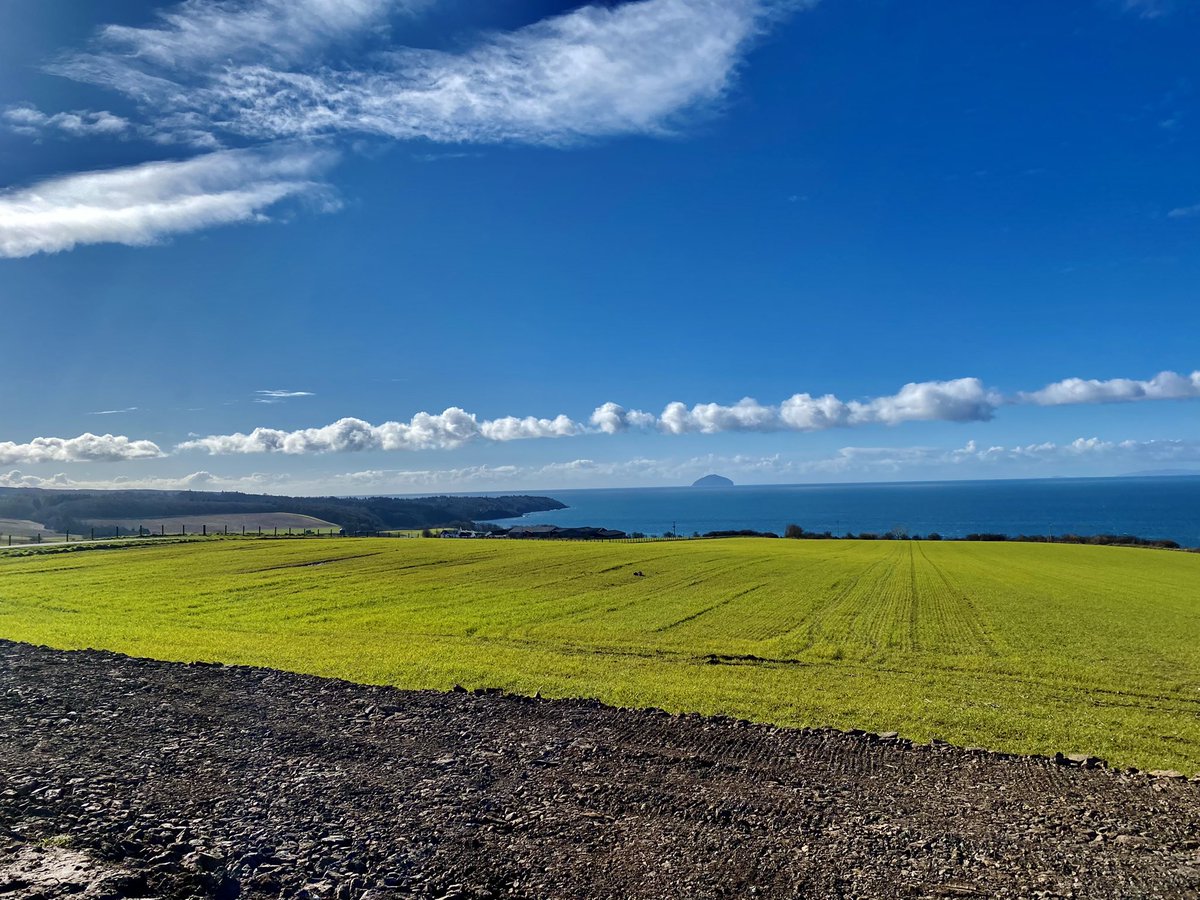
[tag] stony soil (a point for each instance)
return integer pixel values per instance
(132, 778)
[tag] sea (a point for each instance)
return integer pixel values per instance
(1155, 507)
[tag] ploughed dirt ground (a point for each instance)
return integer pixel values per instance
(131, 778)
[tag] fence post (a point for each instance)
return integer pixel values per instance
(162, 530)
(182, 530)
(204, 531)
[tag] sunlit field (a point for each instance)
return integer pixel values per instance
(1019, 647)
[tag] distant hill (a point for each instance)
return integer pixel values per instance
(72, 510)
(712, 481)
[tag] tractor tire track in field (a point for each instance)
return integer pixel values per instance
(135, 778)
(969, 623)
(308, 564)
(706, 610)
(814, 626)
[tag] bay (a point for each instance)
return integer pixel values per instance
(1148, 507)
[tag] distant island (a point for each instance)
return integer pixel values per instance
(712, 481)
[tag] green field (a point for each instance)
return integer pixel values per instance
(1020, 647)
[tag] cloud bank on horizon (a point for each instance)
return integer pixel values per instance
(211, 72)
(853, 461)
(962, 400)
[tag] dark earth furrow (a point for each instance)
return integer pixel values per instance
(133, 778)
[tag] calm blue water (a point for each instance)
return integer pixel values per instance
(1154, 507)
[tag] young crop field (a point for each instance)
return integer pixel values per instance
(1020, 647)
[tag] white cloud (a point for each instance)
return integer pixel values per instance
(87, 447)
(612, 418)
(1185, 212)
(205, 32)
(196, 481)
(632, 68)
(259, 69)
(280, 396)
(1163, 386)
(113, 412)
(31, 121)
(143, 204)
(511, 428)
(960, 400)
(424, 431)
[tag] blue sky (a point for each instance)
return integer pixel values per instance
(357, 246)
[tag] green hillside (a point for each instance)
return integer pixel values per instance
(1022, 647)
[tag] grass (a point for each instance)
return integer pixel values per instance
(1020, 647)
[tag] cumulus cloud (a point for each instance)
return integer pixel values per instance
(960, 400)
(511, 428)
(143, 204)
(1163, 386)
(612, 418)
(28, 120)
(87, 447)
(424, 431)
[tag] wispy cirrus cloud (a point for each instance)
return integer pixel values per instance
(207, 73)
(86, 447)
(30, 121)
(199, 33)
(144, 204)
(1147, 9)
(280, 396)
(598, 70)
(113, 412)
(630, 69)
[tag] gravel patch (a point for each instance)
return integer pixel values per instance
(125, 777)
